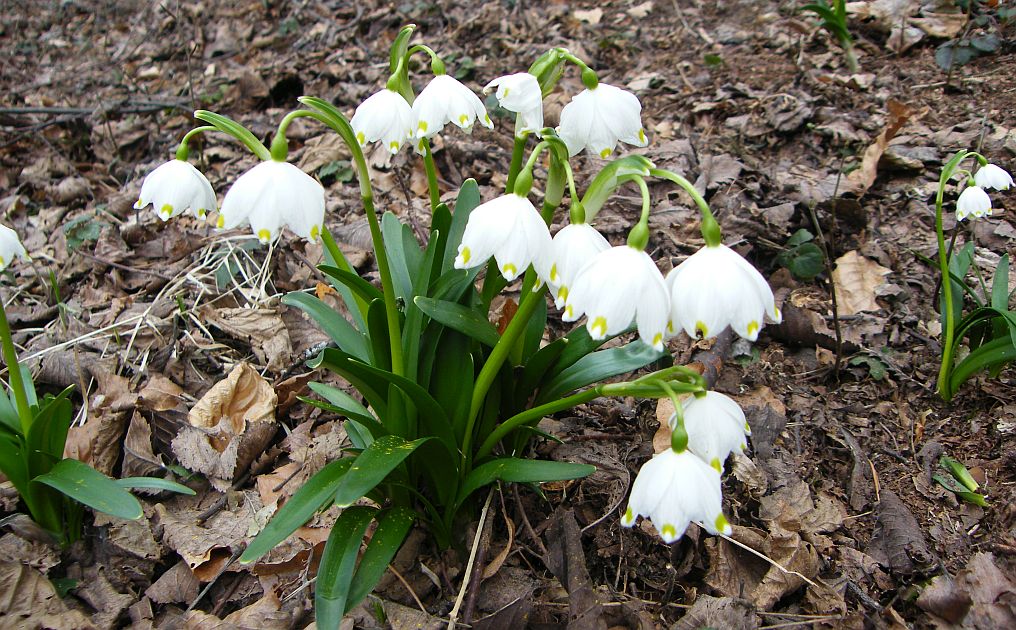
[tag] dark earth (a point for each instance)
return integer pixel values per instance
(749, 99)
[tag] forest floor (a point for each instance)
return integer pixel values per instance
(746, 98)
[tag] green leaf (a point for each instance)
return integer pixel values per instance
(876, 369)
(805, 261)
(48, 433)
(154, 483)
(80, 230)
(372, 465)
(995, 352)
(987, 43)
(598, 366)
(90, 487)
(363, 289)
(8, 414)
(373, 389)
(378, 334)
(385, 542)
(461, 318)
(536, 367)
(362, 427)
(356, 305)
(400, 252)
(1000, 285)
(468, 199)
(799, 237)
(516, 470)
(335, 573)
(312, 496)
(345, 336)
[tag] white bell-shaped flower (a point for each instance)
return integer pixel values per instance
(573, 247)
(174, 187)
(271, 196)
(716, 427)
(597, 119)
(716, 287)
(446, 100)
(10, 246)
(973, 202)
(992, 176)
(618, 285)
(510, 229)
(520, 93)
(675, 489)
(386, 118)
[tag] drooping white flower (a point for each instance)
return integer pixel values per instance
(510, 229)
(716, 427)
(10, 246)
(597, 119)
(520, 93)
(992, 176)
(973, 202)
(174, 187)
(574, 245)
(675, 489)
(620, 284)
(271, 196)
(715, 287)
(385, 117)
(446, 100)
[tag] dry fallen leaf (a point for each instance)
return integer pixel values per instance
(592, 16)
(262, 328)
(28, 600)
(857, 280)
(860, 180)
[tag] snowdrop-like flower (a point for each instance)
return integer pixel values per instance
(674, 489)
(597, 119)
(271, 196)
(574, 245)
(174, 187)
(520, 93)
(385, 117)
(510, 229)
(715, 287)
(10, 246)
(446, 100)
(973, 202)
(716, 427)
(992, 176)
(620, 284)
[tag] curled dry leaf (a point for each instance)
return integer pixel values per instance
(262, 328)
(264, 614)
(860, 180)
(28, 600)
(857, 281)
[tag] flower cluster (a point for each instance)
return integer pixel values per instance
(974, 201)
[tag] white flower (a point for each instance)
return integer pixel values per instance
(620, 284)
(992, 176)
(574, 245)
(520, 93)
(10, 246)
(715, 287)
(385, 117)
(511, 230)
(675, 489)
(716, 427)
(973, 201)
(271, 196)
(597, 119)
(174, 187)
(446, 100)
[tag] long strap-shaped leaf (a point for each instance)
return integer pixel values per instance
(521, 471)
(598, 366)
(318, 490)
(344, 334)
(460, 318)
(391, 531)
(335, 573)
(87, 485)
(372, 465)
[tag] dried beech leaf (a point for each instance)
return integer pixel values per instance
(28, 600)
(719, 612)
(861, 179)
(177, 585)
(264, 614)
(857, 281)
(262, 328)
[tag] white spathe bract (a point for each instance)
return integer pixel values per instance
(386, 118)
(446, 100)
(675, 489)
(992, 176)
(716, 427)
(573, 247)
(973, 202)
(620, 284)
(510, 229)
(716, 287)
(597, 119)
(174, 187)
(520, 93)
(274, 195)
(10, 246)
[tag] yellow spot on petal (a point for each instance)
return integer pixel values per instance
(670, 327)
(721, 524)
(362, 139)
(202, 213)
(669, 532)
(3, 263)
(394, 146)
(628, 518)
(264, 235)
(220, 222)
(466, 255)
(779, 315)
(553, 273)
(315, 232)
(486, 119)
(505, 93)
(642, 135)
(599, 327)
(423, 126)
(605, 154)
(166, 210)
(752, 328)
(509, 270)
(139, 204)
(701, 329)
(569, 312)
(463, 118)
(562, 294)
(657, 339)
(716, 464)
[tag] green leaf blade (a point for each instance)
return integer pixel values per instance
(90, 487)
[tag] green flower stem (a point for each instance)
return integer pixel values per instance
(710, 228)
(17, 381)
(231, 127)
(327, 114)
(493, 365)
(437, 66)
(428, 164)
(679, 435)
(183, 151)
(518, 154)
(638, 237)
(524, 418)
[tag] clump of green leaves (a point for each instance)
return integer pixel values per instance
(834, 20)
(801, 256)
(979, 36)
(960, 482)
